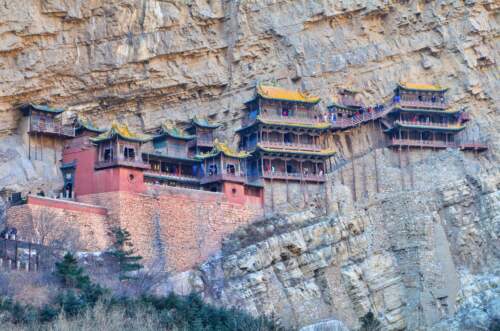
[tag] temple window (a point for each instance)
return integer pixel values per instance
(231, 169)
(129, 153)
(108, 154)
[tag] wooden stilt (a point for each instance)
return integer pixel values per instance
(272, 187)
(377, 184)
(354, 195)
(286, 182)
(410, 168)
(400, 164)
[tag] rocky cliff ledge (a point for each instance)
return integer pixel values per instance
(413, 258)
(418, 255)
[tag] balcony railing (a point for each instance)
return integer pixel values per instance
(171, 176)
(283, 119)
(291, 119)
(428, 124)
(222, 177)
(462, 145)
(204, 142)
(422, 143)
(51, 128)
(121, 162)
(475, 146)
(290, 146)
(295, 176)
(422, 104)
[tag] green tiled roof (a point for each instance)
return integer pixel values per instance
(121, 131)
(204, 123)
(174, 132)
(83, 123)
(42, 108)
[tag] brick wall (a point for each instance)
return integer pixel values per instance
(174, 227)
(86, 222)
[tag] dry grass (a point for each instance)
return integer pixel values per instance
(96, 319)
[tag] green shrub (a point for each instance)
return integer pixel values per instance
(83, 305)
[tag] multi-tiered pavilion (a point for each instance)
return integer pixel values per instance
(286, 135)
(420, 117)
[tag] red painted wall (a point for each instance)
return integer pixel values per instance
(235, 193)
(91, 181)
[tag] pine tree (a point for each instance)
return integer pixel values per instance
(123, 252)
(70, 273)
(370, 323)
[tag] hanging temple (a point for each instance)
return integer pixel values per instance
(201, 188)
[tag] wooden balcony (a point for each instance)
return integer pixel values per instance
(121, 162)
(171, 176)
(223, 178)
(51, 128)
(282, 119)
(204, 142)
(421, 143)
(423, 104)
(290, 146)
(430, 125)
(472, 146)
(281, 175)
(291, 119)
(463, 146)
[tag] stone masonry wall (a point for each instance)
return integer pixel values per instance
(174, 229)
(45, 220)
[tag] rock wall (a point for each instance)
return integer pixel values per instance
(144, 61)
(406, 232)
(405, 256)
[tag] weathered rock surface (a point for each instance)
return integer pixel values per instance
(330, 325)
(143, 61)
(405, 241)
(413, 257)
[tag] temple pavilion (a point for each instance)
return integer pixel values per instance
(345, 106)
(171, 155)
(222, 164)
(285, 134)
(420, 117)
(44, 132)
(203, 130)
(119, 147)
(44, 120)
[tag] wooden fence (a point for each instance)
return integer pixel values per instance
(26, 256)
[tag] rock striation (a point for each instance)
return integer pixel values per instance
(414, 258)
(416, 242)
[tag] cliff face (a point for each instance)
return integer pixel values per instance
(143, 61)
(412, 242)
(414, 257)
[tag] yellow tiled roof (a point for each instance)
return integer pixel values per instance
(123, 131)
(423, 87)
(275, 92)
(223, 148)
